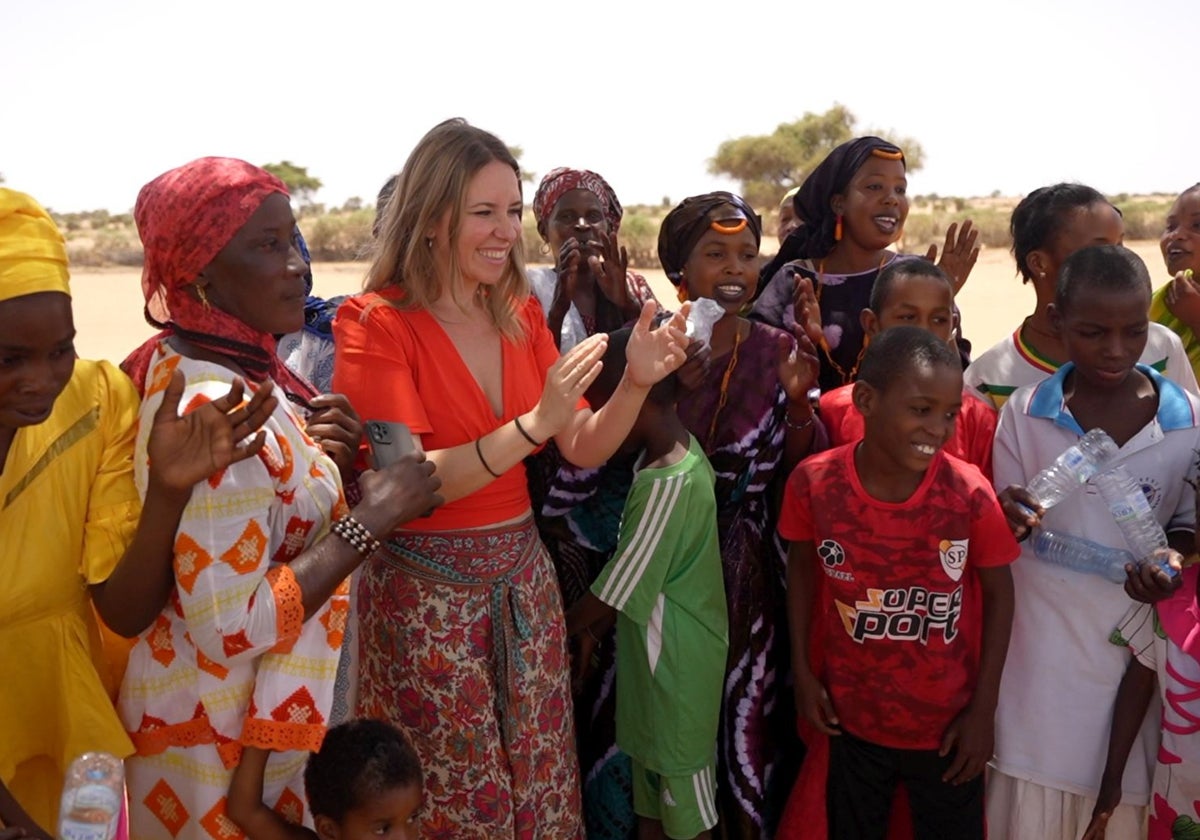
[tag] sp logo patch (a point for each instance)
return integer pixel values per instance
(953, 554)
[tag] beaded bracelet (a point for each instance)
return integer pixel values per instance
(798, 427)
(354, 532)
(524, 433)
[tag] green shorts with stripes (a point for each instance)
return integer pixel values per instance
(686, 805)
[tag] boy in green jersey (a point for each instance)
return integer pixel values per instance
(666, 587)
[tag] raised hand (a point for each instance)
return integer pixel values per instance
(808, 309)
(610, 269)
(566, 381)
(959, 253)
(1183, 299)
(798, 365)
(184, 450)
(567, 268)
(335, 427)
(653, 353)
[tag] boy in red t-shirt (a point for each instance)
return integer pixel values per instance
(915, 293)
(896, 526)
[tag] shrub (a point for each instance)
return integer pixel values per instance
(340, 237)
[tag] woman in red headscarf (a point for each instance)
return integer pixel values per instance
(590, 289)
(245, 653)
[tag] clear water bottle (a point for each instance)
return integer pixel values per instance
(1131, 510)
(1081, 555)
(1073, 468)
(92, 796)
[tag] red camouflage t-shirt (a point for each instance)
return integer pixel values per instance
(899, 662)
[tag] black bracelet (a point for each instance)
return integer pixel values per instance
(524, 433)
(482, 460)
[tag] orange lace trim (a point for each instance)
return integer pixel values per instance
(289, 607)
(188, 734)
(282, 735)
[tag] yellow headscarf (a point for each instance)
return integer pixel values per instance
(33, 253)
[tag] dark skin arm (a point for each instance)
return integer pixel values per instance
(589, 618)
(1133, 699)
(182, 451)
(812, 700)
(972, 734)
(17, 823)
(798, 368)
(390, 497)
(245, 804)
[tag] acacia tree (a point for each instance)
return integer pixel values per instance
(768, 165)
(300, 184)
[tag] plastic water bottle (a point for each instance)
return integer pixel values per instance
(1131, 510)
(92, 796)
(1081, 555)
(1073, 468)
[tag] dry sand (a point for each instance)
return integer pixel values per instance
(108, 302)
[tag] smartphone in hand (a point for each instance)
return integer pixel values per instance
(389, 442)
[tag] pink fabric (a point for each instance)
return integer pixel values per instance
(1180, 615)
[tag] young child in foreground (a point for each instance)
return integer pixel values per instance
(665, 583)
(915, 293)
(1166, 649)
(896, 527)
(364, 782)
(1062, 676)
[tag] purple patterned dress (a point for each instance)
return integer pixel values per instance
(757, 748)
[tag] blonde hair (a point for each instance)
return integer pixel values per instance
(433, 182)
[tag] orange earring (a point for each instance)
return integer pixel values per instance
(837, 229)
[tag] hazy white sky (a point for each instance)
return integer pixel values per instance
(101, 96)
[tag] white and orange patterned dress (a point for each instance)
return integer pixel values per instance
(231, 660)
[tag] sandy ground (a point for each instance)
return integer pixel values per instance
(108, 302)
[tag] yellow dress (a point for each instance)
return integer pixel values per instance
(1162, 315)
(68, 509)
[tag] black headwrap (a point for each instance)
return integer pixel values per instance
(687, 222)
(814, 239)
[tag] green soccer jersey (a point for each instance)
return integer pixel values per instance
(673, 629)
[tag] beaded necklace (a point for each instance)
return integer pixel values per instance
(847, 378)
(733, 358)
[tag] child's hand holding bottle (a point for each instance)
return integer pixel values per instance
(1021, 509)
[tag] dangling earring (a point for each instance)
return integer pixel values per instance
(681, 289)
(200, 293)
(429, 242)
(837, 229)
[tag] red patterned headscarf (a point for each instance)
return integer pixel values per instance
(184, 218)
(561, 181)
